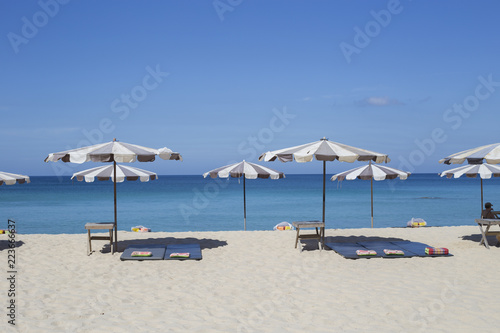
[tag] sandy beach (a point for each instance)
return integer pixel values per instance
(254, 281)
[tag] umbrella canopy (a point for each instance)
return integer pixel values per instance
(107, 173)
(324, 150)
(371, 172)
(485, 171)
(489, 153)
(10, 178)
(247, 170)
(114, 151)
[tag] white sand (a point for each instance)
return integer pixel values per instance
(254, 281)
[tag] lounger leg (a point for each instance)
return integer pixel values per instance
(319, 233)
(89, 244)
(297, 238)
(111, 241)
(483, 233)
(485, 236)
(322, 238)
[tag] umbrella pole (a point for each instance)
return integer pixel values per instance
(324, 196)
(114, 190)
(371, 185)
(481, 197)
(244, 205)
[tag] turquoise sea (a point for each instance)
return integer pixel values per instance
(192, 203)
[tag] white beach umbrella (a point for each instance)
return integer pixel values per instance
(114, 151)
(489, 153)
(247, 170)
(10, 178)
(371, 172)
(324, 150)
(106, 172)
(485, 171)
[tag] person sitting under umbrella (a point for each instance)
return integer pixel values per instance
(488, 212)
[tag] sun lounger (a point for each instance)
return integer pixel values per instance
(179, 251)
(157, 252)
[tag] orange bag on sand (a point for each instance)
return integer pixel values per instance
(140, 228)
(283, 226)
(416, 222)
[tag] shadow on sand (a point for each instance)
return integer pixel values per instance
(205, 243)
(311, 245)
(4, 244)
(492, 240)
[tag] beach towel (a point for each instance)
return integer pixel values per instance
(157, 252)
(141, 254)
(183, 252)
(394, 252)
(366, 253)
(436, 250)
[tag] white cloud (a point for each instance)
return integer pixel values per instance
(379, 101)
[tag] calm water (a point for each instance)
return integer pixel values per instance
(193, 203)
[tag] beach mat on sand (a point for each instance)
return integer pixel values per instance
(348, 250)
(157, 251)
(194, 251)
(410, 249)
(419, 249)
(380, 246)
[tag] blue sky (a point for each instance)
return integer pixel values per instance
(226, 80)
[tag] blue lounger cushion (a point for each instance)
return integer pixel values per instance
(157, 251)
(194, 251)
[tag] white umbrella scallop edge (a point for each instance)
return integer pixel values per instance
(11, 178)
